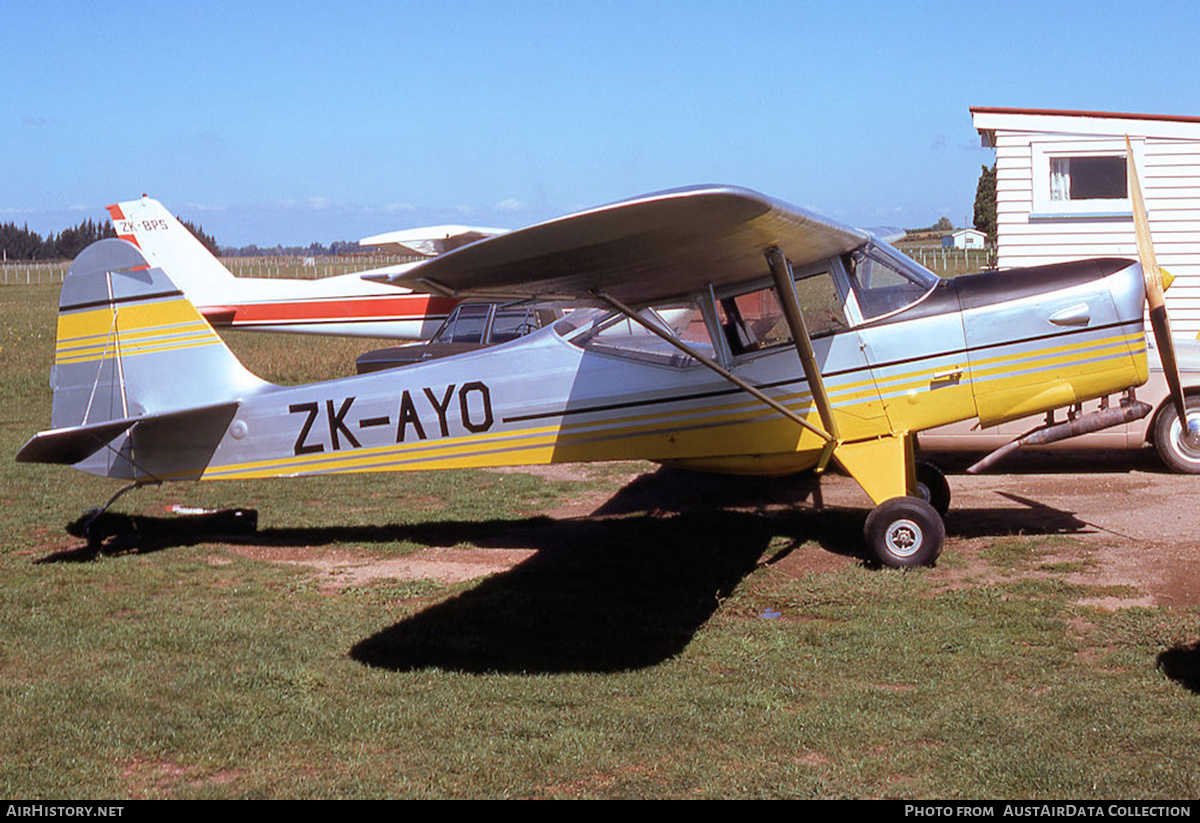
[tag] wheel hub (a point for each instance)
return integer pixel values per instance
(904, 538)
(1189, 437)
(1192, 435)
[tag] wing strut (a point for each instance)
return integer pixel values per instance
(781, 270)
(714, 366)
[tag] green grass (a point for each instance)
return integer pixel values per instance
(631, 657)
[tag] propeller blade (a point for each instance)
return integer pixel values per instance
(1159, 321)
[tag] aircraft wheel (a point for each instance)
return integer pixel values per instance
(1177, 449)
(905, 532)
(932, 487)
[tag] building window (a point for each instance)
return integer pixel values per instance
(1088, 178)
(1085, 178)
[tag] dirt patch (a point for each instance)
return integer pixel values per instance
(584, 503)
(340, 568)
(1134, 531)
(559, 472)
(148, 779)
(811, 560)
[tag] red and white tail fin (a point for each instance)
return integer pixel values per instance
(167, 244)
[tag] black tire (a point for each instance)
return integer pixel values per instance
(905, 532)
(1179, 452)
(932, 487)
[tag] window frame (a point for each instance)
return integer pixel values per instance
(1043, 152)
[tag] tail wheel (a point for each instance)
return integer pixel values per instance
(932, 487)
(905, 532)
(1178, 447)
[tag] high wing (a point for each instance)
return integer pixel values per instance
(640, 251)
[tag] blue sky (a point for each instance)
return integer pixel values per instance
(298, 122)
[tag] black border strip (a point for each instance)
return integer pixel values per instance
(117, 300)
(412, 318)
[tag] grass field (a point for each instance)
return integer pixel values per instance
(655, 653)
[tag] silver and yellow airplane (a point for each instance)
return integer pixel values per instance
(810, 342)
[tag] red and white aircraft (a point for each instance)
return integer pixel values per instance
(354, 305)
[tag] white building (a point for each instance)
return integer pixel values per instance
(1061, 192)
(965, 239)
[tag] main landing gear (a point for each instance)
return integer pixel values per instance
(1179, 447)
(908, 531)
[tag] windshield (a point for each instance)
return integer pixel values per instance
(884, 280)
(465, 325)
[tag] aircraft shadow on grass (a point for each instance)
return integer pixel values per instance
(1182, 664)
(624, 588)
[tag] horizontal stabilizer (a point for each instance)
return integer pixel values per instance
(75, 443)
(429, 241)
(72, 444)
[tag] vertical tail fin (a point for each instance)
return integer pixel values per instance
(130, 350)
(168, 244)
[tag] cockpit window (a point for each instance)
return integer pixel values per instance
(466, 325)
(512, 322)
(754, 320)
(884, 282)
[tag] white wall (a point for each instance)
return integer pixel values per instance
(1169, 168)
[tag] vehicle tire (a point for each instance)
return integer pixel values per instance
(1179, 452)
(905, 532)
(932, 487)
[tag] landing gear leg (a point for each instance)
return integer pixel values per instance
(902, 530)
(932, 487)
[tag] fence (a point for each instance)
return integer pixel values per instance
(309, 268)
(30, 274)
(945, 262)
(951, 262)
(14, 273)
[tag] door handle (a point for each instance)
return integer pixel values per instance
(1077, 315)
(941, 380)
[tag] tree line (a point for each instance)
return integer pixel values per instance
(312, 250)
(19, 243)
(23, 244)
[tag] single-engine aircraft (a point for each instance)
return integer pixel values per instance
(354, 305)
(811, 342)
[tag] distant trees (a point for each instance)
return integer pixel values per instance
(311, 250)
(985, 202)
(23, 244)
(19, 243)
(944, 224)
